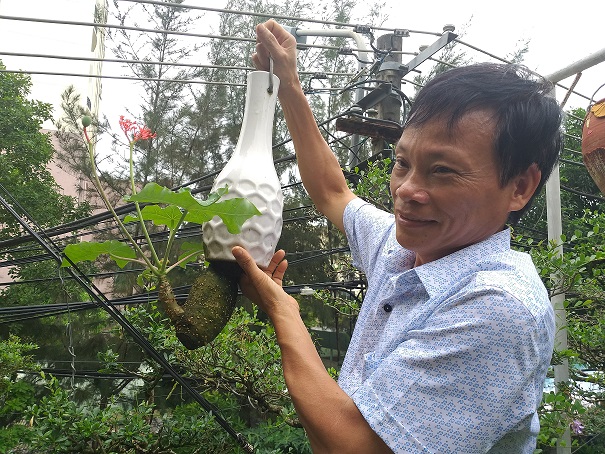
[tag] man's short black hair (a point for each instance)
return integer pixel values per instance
(526, 114)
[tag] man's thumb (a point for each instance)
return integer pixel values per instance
(244, 259)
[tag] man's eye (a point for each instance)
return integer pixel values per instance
(443, 169)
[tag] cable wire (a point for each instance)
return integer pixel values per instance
(102, 301)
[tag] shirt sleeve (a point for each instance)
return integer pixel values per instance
(459, 382)
(365, 227)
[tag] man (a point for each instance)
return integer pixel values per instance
(455, 335)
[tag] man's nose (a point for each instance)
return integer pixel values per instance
(412, 187)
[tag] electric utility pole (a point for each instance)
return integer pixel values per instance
(390, 107)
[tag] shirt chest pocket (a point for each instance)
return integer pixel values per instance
(371, 361)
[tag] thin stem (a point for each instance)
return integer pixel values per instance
(187, 257)
(138, 208)
(139, 261)
(108, 205)
(171, 240)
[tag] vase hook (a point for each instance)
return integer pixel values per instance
(270, 89)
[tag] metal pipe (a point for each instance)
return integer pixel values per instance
(341, 33)
(364, 58)
(578, 66)
(555, 230)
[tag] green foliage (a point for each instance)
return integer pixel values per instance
(15, 399)
(191, 138)
(56, 289)
(90, 251)
(243, 360)
(278, 438)
(154, 193)
(573, 176)
(15, 395)
(26, 151)
(576, 270)
(13, 436)
(592, 440)
(240, 369)
(557, 411)
(347, 306)
(169, 216)
(13, 357)
(61, 425)
(181, 207)
(373, 183)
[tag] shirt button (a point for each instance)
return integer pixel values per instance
(387, 307)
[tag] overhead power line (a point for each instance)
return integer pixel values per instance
(125, 61)
(127, 208)
(14, 314)
(155, 62)
(143, 79)
(273, 16)
(172, 32)
(225, 37)
(583, 194)
(123, 27)
(102, 301)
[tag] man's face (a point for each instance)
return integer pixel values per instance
(446, 188)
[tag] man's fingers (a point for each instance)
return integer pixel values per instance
(245, 260)
(277, 31)
(280, 270)
(260, 58)
(276, 269)
(276, 260)
(269, 39)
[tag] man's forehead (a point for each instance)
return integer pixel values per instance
(448, 127)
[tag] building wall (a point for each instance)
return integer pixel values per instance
(77, 186)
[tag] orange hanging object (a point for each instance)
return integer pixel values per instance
(593, 143)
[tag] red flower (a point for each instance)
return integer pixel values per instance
(126, 125)
(143, 133)
(134, 132)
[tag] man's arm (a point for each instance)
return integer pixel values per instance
(330, 417)
(320, 171)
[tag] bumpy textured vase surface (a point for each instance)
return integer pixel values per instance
(250, 173)
(593, 143)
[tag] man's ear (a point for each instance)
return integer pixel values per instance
(524, 185)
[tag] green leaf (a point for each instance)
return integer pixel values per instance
(145, 280)
(233, 213)
(154, 193)
(89, 251)
(131, 218)
(169, 216)
(189, 248)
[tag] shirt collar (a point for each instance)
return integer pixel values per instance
(439, 275)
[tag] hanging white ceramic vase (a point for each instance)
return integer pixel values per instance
(250, 173)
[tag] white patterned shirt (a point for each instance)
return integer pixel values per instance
(450, 356)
